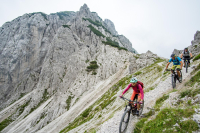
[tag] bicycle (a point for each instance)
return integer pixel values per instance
(186, 64)
(175, 76)
(129, 110)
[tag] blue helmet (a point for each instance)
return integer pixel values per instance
(134, 80)
(172, 55)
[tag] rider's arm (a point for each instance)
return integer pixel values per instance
(141, 91)
(167, 65)
(181, 64)
(126, 89)
(182, 55)
(190, 55)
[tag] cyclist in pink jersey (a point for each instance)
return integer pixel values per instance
(137, 89)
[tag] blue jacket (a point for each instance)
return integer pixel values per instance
(176, 61)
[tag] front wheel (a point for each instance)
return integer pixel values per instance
(124, 121)
(173, 81)
(186, 66)
(181, 77)
(141, 108)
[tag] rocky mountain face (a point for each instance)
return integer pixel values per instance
(57, 65)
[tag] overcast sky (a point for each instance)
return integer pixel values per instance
(155, 25)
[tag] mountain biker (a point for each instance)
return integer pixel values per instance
(137, 89)
(177, 63)
(186, 56)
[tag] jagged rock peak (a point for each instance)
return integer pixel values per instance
(196, 40)
(110, 26)
(84, 8)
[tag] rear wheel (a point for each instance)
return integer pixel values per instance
(124, 121)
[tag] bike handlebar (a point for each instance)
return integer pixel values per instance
(127, 99)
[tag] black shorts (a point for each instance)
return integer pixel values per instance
(186, 58)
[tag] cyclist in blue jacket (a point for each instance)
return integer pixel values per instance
(177, 63)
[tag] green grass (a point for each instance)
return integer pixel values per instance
(196, 69)
(66, 26)
(95, 31)
(159, 68)
(188, 125)
(196, 57)
(139, 125)
(194, 79)
(5, 123)
(168, 117)
(137, 73)
(149, 89)
(160, 101)
(189, 93)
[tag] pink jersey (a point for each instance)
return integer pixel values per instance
(139, 90)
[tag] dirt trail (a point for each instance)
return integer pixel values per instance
(112, 125)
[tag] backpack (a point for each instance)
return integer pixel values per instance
(139, 82)
(176, 59)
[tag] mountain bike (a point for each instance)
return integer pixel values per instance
(186, 65)
(131, 108)
(175, 76)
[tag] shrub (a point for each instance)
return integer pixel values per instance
(61, 15)
(196, 57)
(159, 68)
(43, 14)
(68, 26)
(137, 73)
(95, 31)
(68, 102)
(92, 67)
(189, 93)
(97, 23)
(113, 44)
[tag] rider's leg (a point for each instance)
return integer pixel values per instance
(178, 72)
(173, 68)
(189, 62)
(139, 99)
(132, 98)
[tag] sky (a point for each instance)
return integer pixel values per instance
(156, 25)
